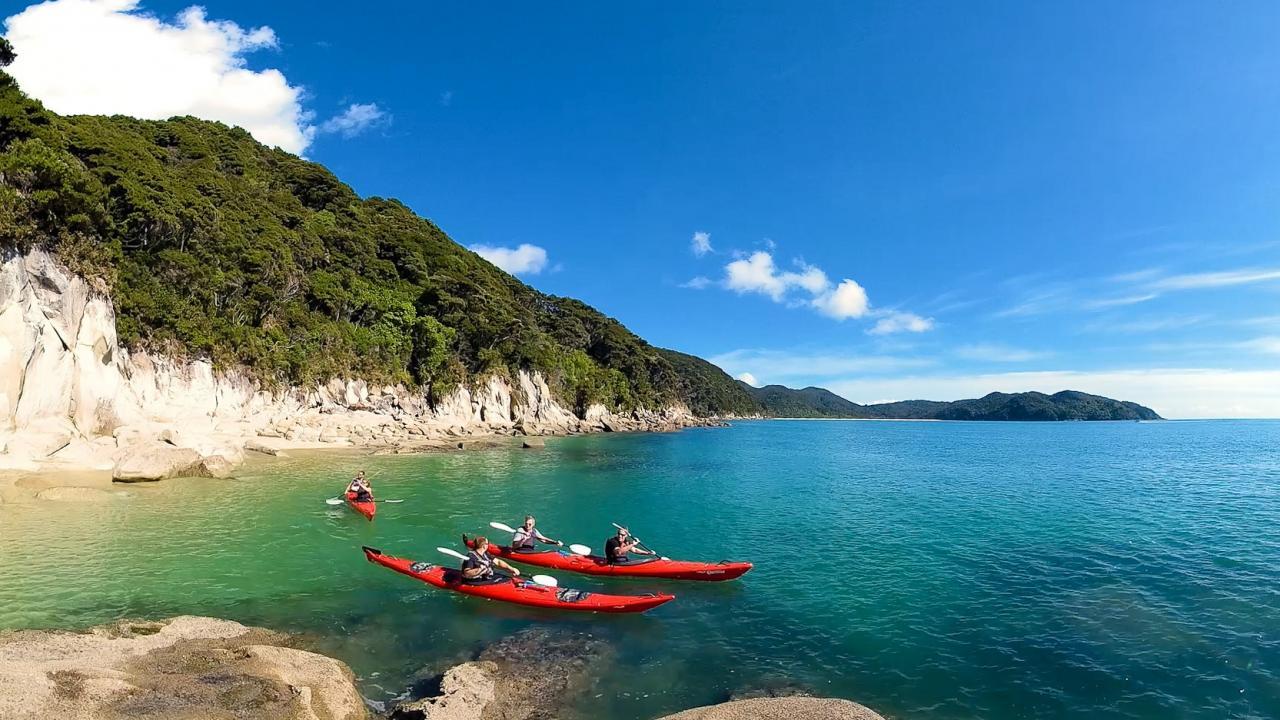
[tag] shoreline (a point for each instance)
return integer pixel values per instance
(55, 482)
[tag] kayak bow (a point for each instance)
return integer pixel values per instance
(366, 509)
(518, 591)
(641, 568)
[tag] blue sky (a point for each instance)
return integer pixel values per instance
(892, 200)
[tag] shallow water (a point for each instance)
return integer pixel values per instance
(929, 570)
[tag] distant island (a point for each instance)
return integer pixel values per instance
(814, 402)
(710, 390)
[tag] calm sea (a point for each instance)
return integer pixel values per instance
(928, 570)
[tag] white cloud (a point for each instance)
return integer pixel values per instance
(701, 243)
(106, 57)
(1193, 281)
(1173, 392)
(757, 273)
(895, 322)
(357, 118)
(994, 352)
(699, 282)
(847, 300)
(749, 379)
(525, 259)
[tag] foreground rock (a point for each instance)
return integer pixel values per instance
(780, 708)
(185, 667)
(501, 684)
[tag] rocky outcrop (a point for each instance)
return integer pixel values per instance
(71, 396)
(780, 708)
(502, 685)
(185, 667)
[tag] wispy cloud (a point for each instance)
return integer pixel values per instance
(524, 259)
(1144, 325)
(893, 321)
(1225, 278)
(995, 352)
(1102, 303)
(357, 118)
(700, 244)
(780, 366)
(699, 282)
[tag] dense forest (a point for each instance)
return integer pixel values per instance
(213, 245)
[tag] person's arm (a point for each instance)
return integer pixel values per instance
(471, 573)
(634, 547)
(546, 539)
(499, 562)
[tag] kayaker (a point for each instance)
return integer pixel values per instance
(361, 487)
(478, 567)
(525, 536)
(617, 548)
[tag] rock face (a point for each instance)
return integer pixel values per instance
(185, 667)
(502, 685)
(780, 708)
(71, 396)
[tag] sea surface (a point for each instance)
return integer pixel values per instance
(929, 570)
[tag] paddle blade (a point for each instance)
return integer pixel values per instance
(500, 526)
(334, 501)
(577, 549)
(451, 553)
(545, 580)
(391, 501)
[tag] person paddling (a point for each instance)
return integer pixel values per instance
(478, 567)
(617, 548)
(361, 487)
(525, 536)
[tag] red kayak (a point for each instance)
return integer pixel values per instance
(366, 509)
(519, 592)
(642, 568)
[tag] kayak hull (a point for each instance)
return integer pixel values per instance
(596, 565)
(366, 509)
(519, 593)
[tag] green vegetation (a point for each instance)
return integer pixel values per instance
(813, 402)
(213, 245)
(708, 390)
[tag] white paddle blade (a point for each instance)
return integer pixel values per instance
(545, 580)
(334, 501)
(500, 526)
(391, 501)
(577, 549)
(452, 553)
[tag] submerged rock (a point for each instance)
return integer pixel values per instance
(780, 708)
(501, 684)
(184, 667)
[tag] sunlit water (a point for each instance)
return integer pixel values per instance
(929, 570)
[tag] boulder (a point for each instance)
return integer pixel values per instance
(184, 667)
(533, 442)
(501, 683)
(780, 708)
(216, 466)
(157, 461)
(261, 447)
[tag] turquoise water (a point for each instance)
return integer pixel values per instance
(929, 570)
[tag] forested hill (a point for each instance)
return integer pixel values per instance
(213, 245)
(812, 402)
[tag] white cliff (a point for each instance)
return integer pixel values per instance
(70, 396)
